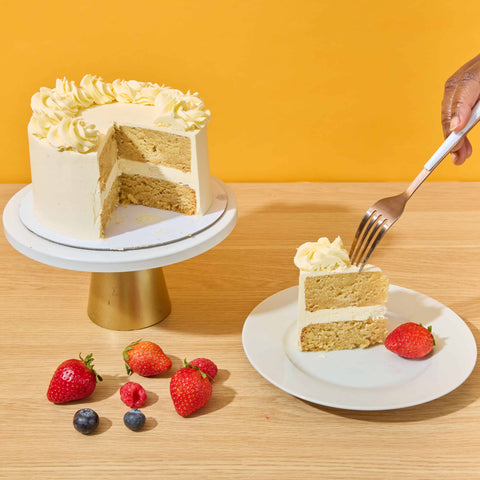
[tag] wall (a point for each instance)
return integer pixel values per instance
(308, 90)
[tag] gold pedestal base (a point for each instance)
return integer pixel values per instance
(128, 300)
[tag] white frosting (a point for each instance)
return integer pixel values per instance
(325, 258)
(103, 116)
(82, 98)
(100, 91)
(53, 105)
(148, 94)
(41, 124)
(73, 134)
(180, 112)
(131, 91)
(173, 109)
(66, 190)
(322, 256)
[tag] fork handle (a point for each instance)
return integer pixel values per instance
(453, 139)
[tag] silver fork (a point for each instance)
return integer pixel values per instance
(384, 213)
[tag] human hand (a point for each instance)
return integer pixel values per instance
(462, 91)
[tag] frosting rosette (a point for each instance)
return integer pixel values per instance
(180, 111)
(100, 91)
(73, 134)
(322, 256)
(148, 94)
(40, 124)
(52, 104)
(80, 96)
(132, 91)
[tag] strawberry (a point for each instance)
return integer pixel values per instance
(190, 390)
(146, 359)
(73, 380)
(410, 340)
(206, 366)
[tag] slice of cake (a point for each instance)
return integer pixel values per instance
(96, 145)
(338, 306)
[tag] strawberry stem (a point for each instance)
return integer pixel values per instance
(203, 374)
(88, 363)
(126, 358)
(429, 328)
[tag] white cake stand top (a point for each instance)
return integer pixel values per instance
(91, 260)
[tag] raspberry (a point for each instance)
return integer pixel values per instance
(206, 366)
(133, 395)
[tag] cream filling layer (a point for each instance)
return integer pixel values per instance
(147, 169)
(347, 314)
(159, 172)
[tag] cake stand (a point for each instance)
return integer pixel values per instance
(127, 288)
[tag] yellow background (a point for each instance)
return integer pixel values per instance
(308, 90)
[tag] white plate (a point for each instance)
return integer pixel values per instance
(369, 379)
(134, 226)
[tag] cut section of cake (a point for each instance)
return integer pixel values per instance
(338, 306)
(97, 145)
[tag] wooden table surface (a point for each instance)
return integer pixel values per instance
(250, 428)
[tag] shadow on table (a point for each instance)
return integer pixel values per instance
(221, 395)
(461, 398)
(104, 424)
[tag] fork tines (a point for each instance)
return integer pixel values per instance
(369, 233)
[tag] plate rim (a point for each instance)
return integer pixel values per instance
(288, 388)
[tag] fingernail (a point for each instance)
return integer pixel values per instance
(454, 123)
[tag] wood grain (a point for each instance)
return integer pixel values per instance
(250, 429)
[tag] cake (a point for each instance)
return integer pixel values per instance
(96, 145)
(339, 307)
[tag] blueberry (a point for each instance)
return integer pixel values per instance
(85, 420)
(134, 419)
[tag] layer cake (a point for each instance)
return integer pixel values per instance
(96, 145)
(338, 306)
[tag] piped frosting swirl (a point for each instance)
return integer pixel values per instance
(180, 111)
(100, 91)
(73, 134)
(322, 256)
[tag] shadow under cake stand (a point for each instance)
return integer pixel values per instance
(127, 285)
